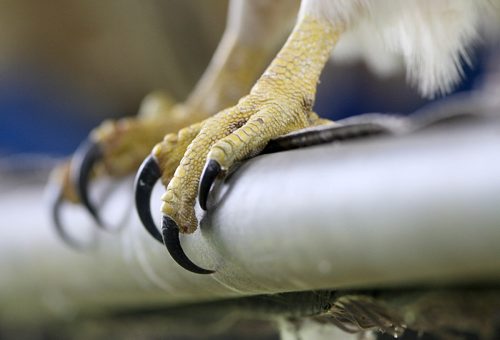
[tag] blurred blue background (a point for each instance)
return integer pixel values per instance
(41, 115)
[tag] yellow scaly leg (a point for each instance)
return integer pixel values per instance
(280, 102)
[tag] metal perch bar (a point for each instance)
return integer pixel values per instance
(420, 209)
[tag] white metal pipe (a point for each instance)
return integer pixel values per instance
(412, 209)
(386, 211)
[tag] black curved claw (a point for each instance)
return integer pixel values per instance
(85, 157)
(56, 200)
(171, 239)
(146, 178)
(210, 173)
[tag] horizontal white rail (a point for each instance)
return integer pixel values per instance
(381, 211)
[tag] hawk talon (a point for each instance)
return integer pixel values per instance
(146, 178)
(56, 199)
(210, 172)
(86, 156)
(170, 232)
(150, 173)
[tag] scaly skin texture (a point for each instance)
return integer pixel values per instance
(126, 141)
(280, 102)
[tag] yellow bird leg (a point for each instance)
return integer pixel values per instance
(280, 102)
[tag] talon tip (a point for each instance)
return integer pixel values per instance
(210, 173)
(84, 160)
(170, 233)
(55, 202)
(146, 178)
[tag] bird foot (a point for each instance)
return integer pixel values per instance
(114, 149)
(188, 162)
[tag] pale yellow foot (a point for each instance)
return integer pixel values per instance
(127, 141)
(230, 136)
(170, 151)
(280, 102)
(124, 143)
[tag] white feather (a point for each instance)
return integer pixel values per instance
(432, 36)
